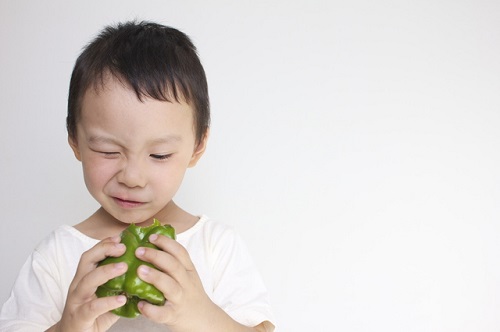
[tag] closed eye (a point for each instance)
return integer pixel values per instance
(160, 156)
(110, 154)
(107, 154)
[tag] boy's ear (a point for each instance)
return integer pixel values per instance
(199, 150)
(74, 146)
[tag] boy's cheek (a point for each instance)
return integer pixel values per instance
(95, 173)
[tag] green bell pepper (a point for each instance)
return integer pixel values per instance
(129, 284)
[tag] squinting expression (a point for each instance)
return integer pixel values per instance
(134, 154)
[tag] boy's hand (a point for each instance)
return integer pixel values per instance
(188, 307)
(83, 310)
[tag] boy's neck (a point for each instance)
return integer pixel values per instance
(101, 224)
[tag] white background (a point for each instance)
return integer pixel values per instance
(355, 146)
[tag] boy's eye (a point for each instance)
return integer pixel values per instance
(160, 156)
(110, 154)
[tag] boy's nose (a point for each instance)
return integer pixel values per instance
(132, 174)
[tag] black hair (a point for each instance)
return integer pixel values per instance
(156, 61)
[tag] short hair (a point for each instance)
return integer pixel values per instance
(157, 61)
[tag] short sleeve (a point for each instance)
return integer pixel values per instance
(36, 287)
(238, 287)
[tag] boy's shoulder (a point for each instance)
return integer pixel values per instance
(64, 240)
(208, 228)
(214, 239)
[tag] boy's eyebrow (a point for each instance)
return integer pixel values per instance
(167, 139)
(160, 140)
(101, 139)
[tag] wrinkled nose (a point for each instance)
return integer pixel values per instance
(132, 174)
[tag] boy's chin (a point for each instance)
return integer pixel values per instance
(139, 219)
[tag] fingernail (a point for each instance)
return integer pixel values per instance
(121, 299)
(153, 237)
(116, 238)
(140, 251)
(119, 245)
(120, 266)
(144, 270)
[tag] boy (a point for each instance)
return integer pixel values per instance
(138, 117)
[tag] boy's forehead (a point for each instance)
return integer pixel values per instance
(112, 99)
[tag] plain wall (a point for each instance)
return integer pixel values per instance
(355, 146)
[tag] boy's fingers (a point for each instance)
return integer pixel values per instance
(159, 314)
(105, 248)
(164, 282)
(163, 261)
(174, 248)
(89, 283)
(95, 308)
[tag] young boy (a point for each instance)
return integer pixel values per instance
(138, 117)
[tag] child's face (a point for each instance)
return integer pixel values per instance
(134, 154)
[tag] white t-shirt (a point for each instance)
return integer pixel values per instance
(226, 270)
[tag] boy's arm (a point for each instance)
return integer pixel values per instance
(264, 327)
(37, 298)
(213, 319)
(83, 311)
(188, 307)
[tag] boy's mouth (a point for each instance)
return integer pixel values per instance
(127, 203)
